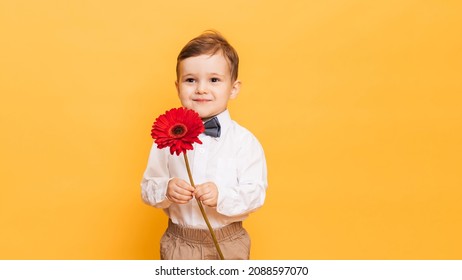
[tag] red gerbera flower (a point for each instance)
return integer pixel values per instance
(178, 129)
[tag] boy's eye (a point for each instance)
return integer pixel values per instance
(190, 80)
(214, 80)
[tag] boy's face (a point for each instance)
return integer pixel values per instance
(204, 84)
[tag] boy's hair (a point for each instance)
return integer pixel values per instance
(210, 42)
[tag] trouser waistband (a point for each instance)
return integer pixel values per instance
(203, 235)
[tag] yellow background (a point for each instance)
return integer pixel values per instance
(357, 104)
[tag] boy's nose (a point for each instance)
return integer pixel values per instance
(201, 88)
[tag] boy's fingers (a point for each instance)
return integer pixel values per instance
(184, 185)
(204, 195)
(179, 198)
(209, 200)
(183, 191)
(205, 188)
(183, 199)
(202, 187)
(198, 192)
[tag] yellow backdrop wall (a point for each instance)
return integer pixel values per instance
(357, 104)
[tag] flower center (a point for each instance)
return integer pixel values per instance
(178, 130)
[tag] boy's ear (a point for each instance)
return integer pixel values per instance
(235, 90)
(176, 86)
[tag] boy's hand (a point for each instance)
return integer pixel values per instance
(207, 193)
(179, 191)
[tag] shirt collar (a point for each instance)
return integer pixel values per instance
(225, 119)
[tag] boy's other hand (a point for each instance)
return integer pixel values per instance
(207, 193)
(179, 191)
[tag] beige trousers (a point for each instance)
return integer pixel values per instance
(182, 243)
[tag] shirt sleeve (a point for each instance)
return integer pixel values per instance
(155, 179)
(250, 191)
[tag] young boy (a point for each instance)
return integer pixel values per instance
(229, 168)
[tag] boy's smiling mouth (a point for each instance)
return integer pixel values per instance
(201, 100)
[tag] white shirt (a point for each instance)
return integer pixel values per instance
(235, 162)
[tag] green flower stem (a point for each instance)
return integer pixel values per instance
(202, 209)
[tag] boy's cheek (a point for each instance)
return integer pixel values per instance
(185, 103)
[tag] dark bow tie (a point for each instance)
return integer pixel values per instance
(212, 127)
